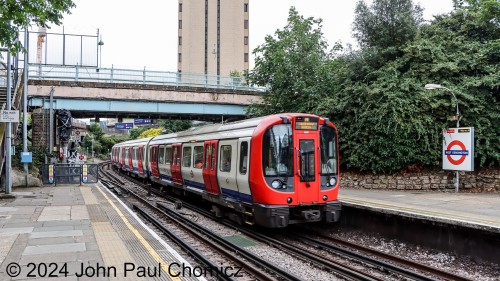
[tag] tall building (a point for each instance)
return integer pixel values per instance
(213, 36)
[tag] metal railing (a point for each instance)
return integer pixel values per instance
(146, 77)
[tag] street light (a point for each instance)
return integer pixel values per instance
(437, 86)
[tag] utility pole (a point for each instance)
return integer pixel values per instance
(25, 100)
(8, 130)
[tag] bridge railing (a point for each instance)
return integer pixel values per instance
(150, 77)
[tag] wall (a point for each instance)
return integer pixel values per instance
(486, 180)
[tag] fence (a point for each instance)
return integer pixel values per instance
(70, 173)
(147, 77)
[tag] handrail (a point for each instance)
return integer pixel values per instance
(147, 77)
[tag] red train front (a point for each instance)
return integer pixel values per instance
(272, 171)
(294, 176)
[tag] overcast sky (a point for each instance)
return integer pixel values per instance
(139, 34)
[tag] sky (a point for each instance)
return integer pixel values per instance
(138, 34)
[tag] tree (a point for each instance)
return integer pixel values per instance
(291, 65)
(15, 15)
(153, 132)
(387, 121)
(386, 23)
(135, 132)
(172, 126)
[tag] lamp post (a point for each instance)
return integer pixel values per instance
(437, 86)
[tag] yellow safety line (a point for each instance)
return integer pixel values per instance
(143, 241)
(418, 211)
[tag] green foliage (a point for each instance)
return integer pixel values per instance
(96, 130)
(386, 23)
(23, 13)
(172, 126)
(135, 132)
(290, 65)
(387, 121)
(153, 132)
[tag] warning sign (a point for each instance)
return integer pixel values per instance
(458, 149)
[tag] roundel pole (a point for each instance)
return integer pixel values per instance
(437, 86)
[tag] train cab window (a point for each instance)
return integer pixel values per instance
(186, 156)
(307, 160)
(277, 151)
(225, 158)
(161, 156)
(198, 157)
(328, 151)
(243, 157)
(168, 155)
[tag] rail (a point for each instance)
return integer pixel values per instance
(144, 76)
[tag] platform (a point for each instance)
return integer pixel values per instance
(79, 233)
(471, 210)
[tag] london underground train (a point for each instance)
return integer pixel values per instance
(271, 171)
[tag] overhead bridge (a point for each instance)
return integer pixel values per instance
(111, 92)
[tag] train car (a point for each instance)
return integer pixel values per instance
(271, 171)
(131, 157)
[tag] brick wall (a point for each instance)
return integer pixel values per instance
(486, 180)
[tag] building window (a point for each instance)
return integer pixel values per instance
(245, 40)
(180, 57)
(245, 7)
(245, 24)
(180, 40)
(245, 57)
(180, 24)
(180, 7)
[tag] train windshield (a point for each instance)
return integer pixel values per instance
(328, 151)
(277, 151)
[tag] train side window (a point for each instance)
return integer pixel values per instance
(168, 155)
(208, 154)
(243, 157)
(186, 156)
(198, 157)
(161, 158)
(225, 158)
(213, 158)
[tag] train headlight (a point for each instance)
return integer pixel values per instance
(332, 181)
(325, 197)
(276, 184)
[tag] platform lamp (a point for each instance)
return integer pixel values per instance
(437, 86)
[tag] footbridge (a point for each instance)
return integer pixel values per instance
(125, 93)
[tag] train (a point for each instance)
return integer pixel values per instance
(270, 171)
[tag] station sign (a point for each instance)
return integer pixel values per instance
(124, 126)
(143, 121)
(458, 149)
(9, 116)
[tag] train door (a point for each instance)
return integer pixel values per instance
(242, 169)
(306, 143)
(163, 161)
(122, 158)
(153, 161)
(134, 156)
(139, 159)
(129, 157)
(226, 174)
(210, 167)
(176, 163)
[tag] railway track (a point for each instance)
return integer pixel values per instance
(317, 248)
(260, 269)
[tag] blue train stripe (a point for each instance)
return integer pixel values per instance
(237, 195)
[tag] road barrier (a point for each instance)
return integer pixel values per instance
(70, 173)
